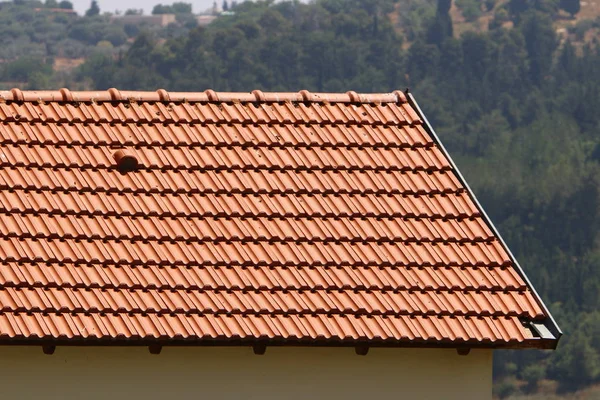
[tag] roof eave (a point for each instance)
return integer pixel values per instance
(534, 343)
(550, 324)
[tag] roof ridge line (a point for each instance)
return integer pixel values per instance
(210, 96)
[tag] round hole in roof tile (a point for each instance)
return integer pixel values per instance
(125, 162)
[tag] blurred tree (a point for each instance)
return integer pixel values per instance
(471, 9)
(532, 374)
(540, 40)
(272, 22)
(500, 17)
(141, 51)
(93, 10)
(115, 35)
(38, 81)
(441, 27)
(571, 6)
(505, 388)
(517, 7)
(175, 8)
(66, 5)
(548, 7)
(477, 51)
(423, 61)
(578, 363)
(181, 8)
(160, 9)
(444, 6)
(23, 68)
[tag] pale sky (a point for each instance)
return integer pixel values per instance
(112, 5)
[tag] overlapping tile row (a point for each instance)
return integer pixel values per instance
(214, 135)
(288, 220)
(293, 328)
(315, 277)
(180, 252)
(223, 113)
(229, 181)
(365, 229)
(380, 302)
(224, 158)
(273, 205)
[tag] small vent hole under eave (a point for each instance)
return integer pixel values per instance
(125, 162)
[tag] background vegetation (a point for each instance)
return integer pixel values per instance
(514, 97)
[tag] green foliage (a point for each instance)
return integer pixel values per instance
(541, 43)
(518, 7)
(578, 363)
(93, 30)
(471, 9)
(441, 27)
(67, 5)
(505, 388)
(181, 8)
(175, 8)
(548, 7)
(160, 9)
(22, 69)
(443, 6)
(500, 17)
(93, 10)
(532, 374)
(134, 11)
(582, 27)
(29, 29)
(570, 6)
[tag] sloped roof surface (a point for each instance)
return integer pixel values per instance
(291, 217)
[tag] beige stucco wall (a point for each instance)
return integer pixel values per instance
(115, 373)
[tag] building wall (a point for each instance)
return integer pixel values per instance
(204, 20)
(180, 373)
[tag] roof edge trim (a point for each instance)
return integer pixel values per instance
(550, 324)
(533, 343)
(210, 96)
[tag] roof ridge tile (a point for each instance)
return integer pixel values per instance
(208, 96)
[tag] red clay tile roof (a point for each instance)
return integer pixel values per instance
(286, 217)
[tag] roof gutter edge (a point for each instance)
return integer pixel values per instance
(529, 343)
(549, 323)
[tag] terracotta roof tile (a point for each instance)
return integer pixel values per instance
(292, 217)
